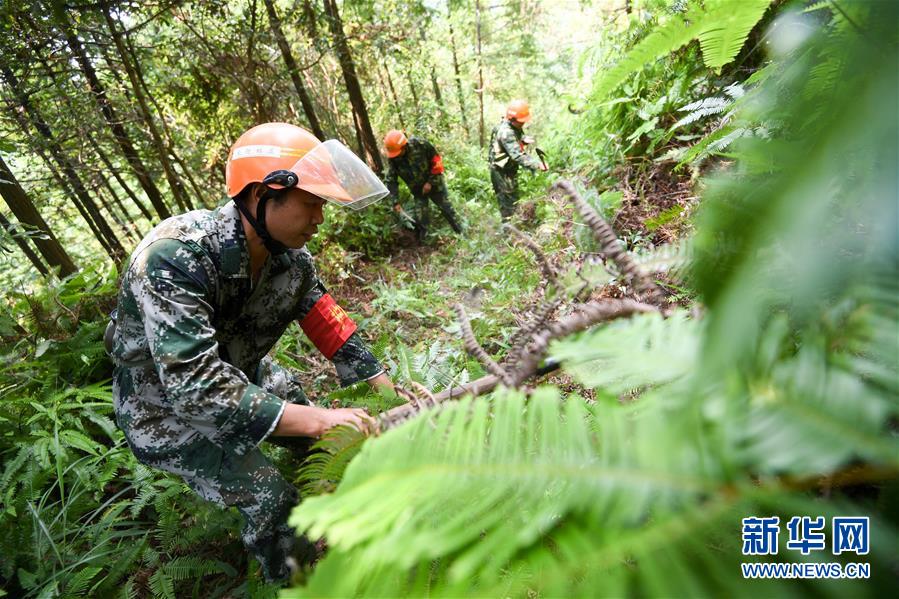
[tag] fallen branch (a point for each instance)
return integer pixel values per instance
(612, 246)
(549, 272)
(586, 316)
(519, 341)
(399, 414)
(474, 348)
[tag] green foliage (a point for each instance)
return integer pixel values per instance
(325, 466)
(784, 377)
(645, 351)
(80, 516)
(789, 379)
(720, 26)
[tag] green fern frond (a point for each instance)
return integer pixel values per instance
(162, 586)
(512, 468)
(727, 24)
(325, 466)
(701, 109)
(643, 351)
(129, 591)
(721, 26)
(666, 38)
(79, 582)
(121, 565)
(507, 497)
(672, 259)
(188, 567)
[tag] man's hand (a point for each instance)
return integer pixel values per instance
(356, 417)
(381, 381)
(310, 421)
(543, 167)
(397, 208)
(426, 188)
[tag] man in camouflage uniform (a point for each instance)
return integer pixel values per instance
(507, 153)
(205, 297)
(416, 161)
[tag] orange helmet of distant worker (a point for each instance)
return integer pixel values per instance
(518, 110)
(394, 142)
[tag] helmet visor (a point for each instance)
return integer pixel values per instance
(332, 172)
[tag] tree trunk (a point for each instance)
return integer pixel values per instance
(373, 155)
(411, 82)
(132, 229)
(309, 20)
(26, 213)
(458, 75)
(287, 55)
(477, 5)
(100, 181)
(115, 174)
(434, 85)
(54, 167)
(104, 234)
(17, 237)
(175, 185)
(396, 102)
(186, 173)
(360, 145)
(93, 142)
(118, 130)
(170, 140)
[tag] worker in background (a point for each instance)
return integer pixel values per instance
(417, 162)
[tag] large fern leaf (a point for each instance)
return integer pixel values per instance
(643, 351)
(726, 26)
(721, 26)
(515, 497)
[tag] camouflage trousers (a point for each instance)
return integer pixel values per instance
(505, 185)
(249, 482)
(422, 215)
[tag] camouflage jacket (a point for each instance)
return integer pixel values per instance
(507, 149)
(415, 167)
(192, 330)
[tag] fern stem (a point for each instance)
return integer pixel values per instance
(612, 246)
(400, 414)
(586, 316)
(519, 341)
(549, 273)
(474, 348)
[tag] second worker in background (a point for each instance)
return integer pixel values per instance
(416, 161)
(507, 152)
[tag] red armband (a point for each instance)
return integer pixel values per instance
(327, 325)
(437, 165)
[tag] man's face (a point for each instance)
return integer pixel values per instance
(517, 124)
(295, 219)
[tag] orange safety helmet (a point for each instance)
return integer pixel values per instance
(282, 156)
(263, 150)
(518, 110)
(394, 142)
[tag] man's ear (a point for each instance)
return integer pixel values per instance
(256, 192)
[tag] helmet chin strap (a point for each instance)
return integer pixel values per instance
(273, 246)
